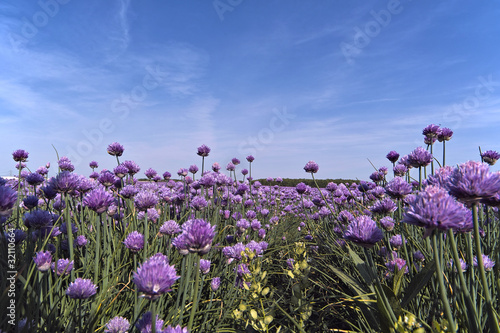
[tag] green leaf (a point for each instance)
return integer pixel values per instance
(363, 269)
(418, 282)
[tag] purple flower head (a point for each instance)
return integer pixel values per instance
(106, 178)
(197, 236)
(176, 329)
(81, 241)
(463, 265)
(198, 203)
(117, 325)
(81, 289)
(384, 206)
(38, 219)
(65, 164)
(429, 141)
(398, 188)
(377, 176)
(170, 227)
(242, 225)
(397, 264)
(244, 172)
(120, 171)
(472, 181)
(64, 266)
(255, 225)
(363, 231)
(34, 179)
(250, 158)
(392, 156)
(444, 134)
(204, 266)
(98, 200)
(434, 208)
(43, 260)
(93, 165)
(419, 157)
(311, 167)
(215, 283)
(490, 157)
(397, 241)
(129, 191)
(8, 198)
(115, 149)
(20, 155)
(230, 166)
(132, 167)
(193, 169)
(487, 262)
(30, 202)
(154, 277)
(387, 223)
(440, 177)
(235, 161)
(419, 256)
(145, 199)
(203, 151)
(42, 171)
(150, 173)
(145, 325)
(166, 175)
(64, 182)
(134, 241)
(216, 167)
(431, 131)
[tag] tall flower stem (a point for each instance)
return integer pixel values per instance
(474, 325)
(153, 316)
(444, 153)
(492, 318)
(69, 232)
(195, 297)
(442, 287)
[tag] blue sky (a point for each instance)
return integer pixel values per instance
(338, 82)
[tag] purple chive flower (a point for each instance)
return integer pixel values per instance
(64, 182)
(244, 172)
(419, 256)
(215, 283)
(193, 169)
(8, 198)
(387, 223)
(20, 155)
(198, 203)
(429, 141)
(472, 181)
(397, 264)
(117, 325)
(144, 324)
(134, 241)
(34, 179)
(154, 277)
(166, 175)
(235, 161)
(397, 241)
(120, 171)
(203, 151)
(176, 329)
(392, 156)
(377, 176)
(38, 219)
(487, 262)
(440, 177)
(431, 131)
(384, 206)
(197, 236)
(398, 188)
(81, 241)
(93, 165)
(43, 260)
(150, 173)
(64, 266)
(42, 171)
(65, 164)
(98, 200)
(106, 178)
(132, 167)
(250, 158)
(170, 227)
(311, 167)
(145, 199)
(230, 166)
(30, 202)
(433, 208)
(204, 266)
(129, 191)
(363, 231)
(115, 149)
(419, 157)
(490, 157)
(216, 167)
(81, 289)
(301, 188)
(444, 134)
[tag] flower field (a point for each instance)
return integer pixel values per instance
(217, 251)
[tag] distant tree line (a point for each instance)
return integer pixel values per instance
(292, 182)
